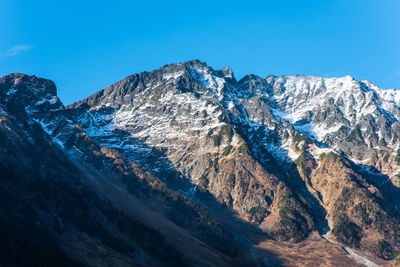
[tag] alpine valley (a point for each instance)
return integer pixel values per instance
(187, 166)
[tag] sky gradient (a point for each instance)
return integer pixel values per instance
(85, 46)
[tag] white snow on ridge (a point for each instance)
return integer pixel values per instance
(297, 95)
(173, 75)
(390, 95)
(47, 127)
(209, 81)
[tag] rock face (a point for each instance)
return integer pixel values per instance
(186, 148)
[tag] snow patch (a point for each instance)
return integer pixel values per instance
(172, 75)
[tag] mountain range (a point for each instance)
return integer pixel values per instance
(186, 165)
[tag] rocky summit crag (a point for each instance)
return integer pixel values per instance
(185, 165)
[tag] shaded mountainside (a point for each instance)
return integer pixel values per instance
(187, 165)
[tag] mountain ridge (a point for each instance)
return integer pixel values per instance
(265, 87)
(265, 113)
(242, 146)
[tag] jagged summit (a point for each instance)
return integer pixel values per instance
(15, 81)
(227, 71)
(318, 106)
(30, 94)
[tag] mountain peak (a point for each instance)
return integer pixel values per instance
(227, 71)
(14, 82)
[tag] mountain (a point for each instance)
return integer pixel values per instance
(187, 165)
(67, 201)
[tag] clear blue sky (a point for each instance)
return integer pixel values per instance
(85, 46)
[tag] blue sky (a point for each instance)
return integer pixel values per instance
(85, 46)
